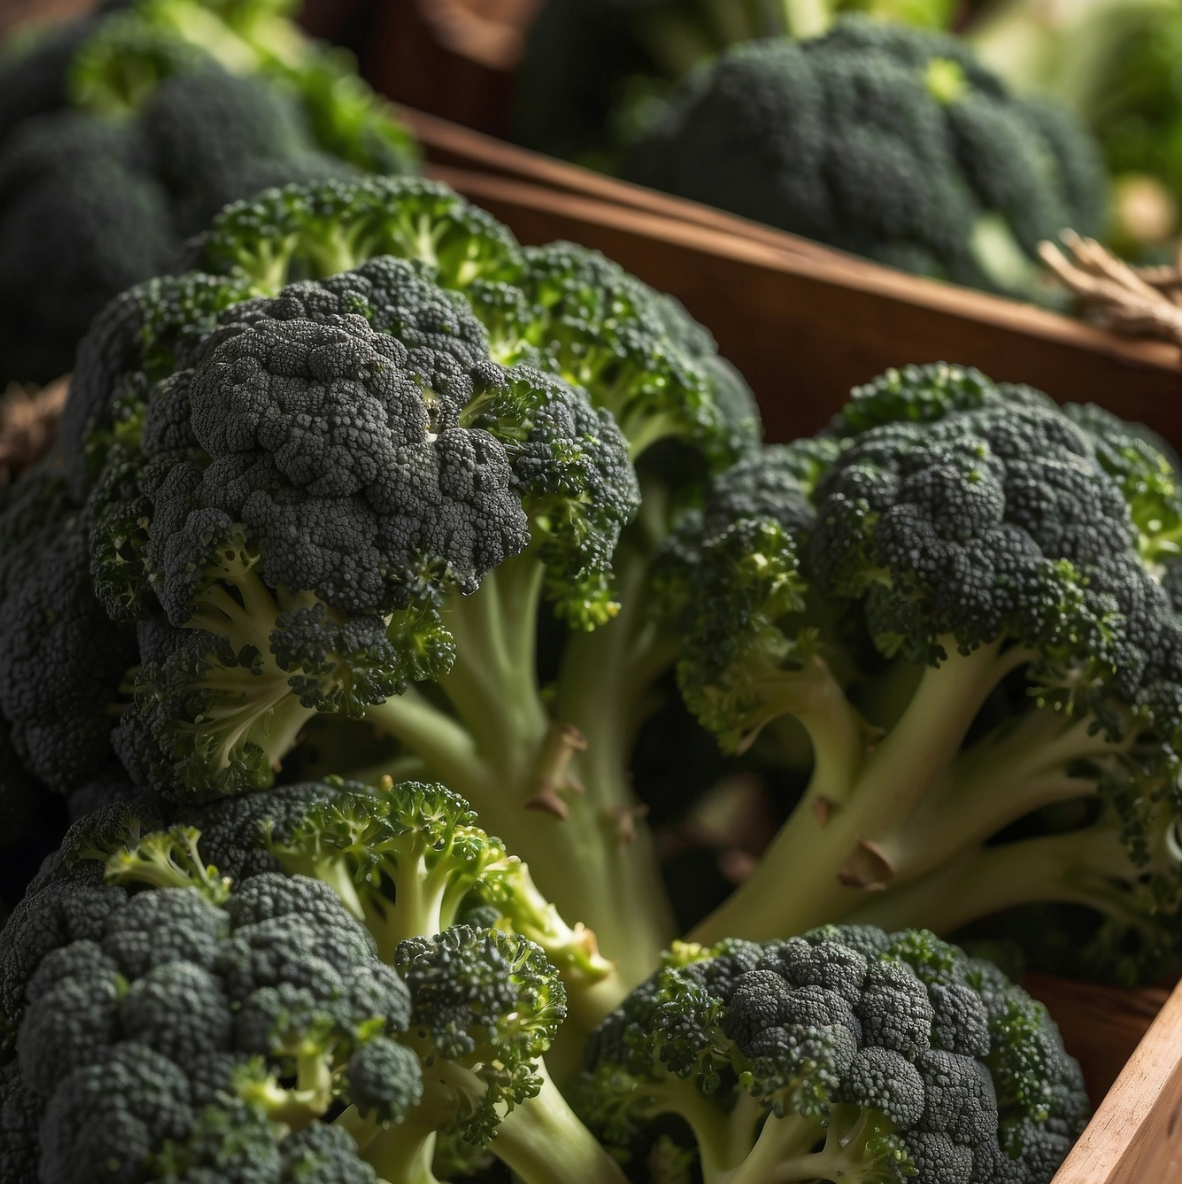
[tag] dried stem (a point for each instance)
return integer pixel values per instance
(29, 418)
(1137, 302)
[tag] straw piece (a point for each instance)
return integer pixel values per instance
(1137, 302)
(29, 419)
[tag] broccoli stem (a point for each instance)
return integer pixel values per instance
(825, 856)
(400, 1154)
(445, 746)
(1088, 867)
(999, 780)
(543, 1142)
(782, 1142)
(570, 816)
(722, 1139)
(845, 1155)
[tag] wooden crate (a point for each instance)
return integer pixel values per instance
(805, 323)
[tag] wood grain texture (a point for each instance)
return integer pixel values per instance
(805, 329)
(1101, 1026)
(1135, 1136)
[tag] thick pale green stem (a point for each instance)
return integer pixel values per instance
(543, 1142)
(996, 782)
(444, 745)
(1081, 867)
(781, 1140)
(402, 1154)
(824, 858)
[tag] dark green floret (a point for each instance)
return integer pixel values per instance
(845, 1054)
(889, 142)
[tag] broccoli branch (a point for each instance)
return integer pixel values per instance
(830, 843)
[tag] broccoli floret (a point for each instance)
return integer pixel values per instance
(959, 593)
(185, 1028)
(848, 1053)
(320, 230)
(889, 142)
(486, 1006)
(429, 468)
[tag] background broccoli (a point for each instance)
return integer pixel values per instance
(591, 72)
(126, 133)
(885, 141)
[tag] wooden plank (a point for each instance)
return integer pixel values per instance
(450, 144)
(1101, 1026)
(805, 330)
(1135, 1137)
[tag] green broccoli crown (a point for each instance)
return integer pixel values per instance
(571, 310)
(868, 1056)
(636, 350)
(362, 417)
(486, 1006)
(887, 141)
(998, 515)
(319, 230)
(188, 1036)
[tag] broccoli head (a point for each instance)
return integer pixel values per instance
(845, 1054)
(889, 142)
(961, 595)
(194, 1037)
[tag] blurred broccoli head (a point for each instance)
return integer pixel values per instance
(889, 142)
(848, 1053)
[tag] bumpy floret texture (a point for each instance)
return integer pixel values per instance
(63, 659)
(889, 142)
(361, 418)
(888, 1056)
(166, 1038)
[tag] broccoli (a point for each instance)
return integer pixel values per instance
(364, 625)
(408, 859)
(63, 659)
(193, 1038)
(845, 1054)
(591, 71)
(245, 1011)
(158, 115)
(888, 142)
(962, 596)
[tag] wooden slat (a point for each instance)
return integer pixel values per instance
(1101, 1026)
(1135, 1136)
(805, 330)
(449, 144)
